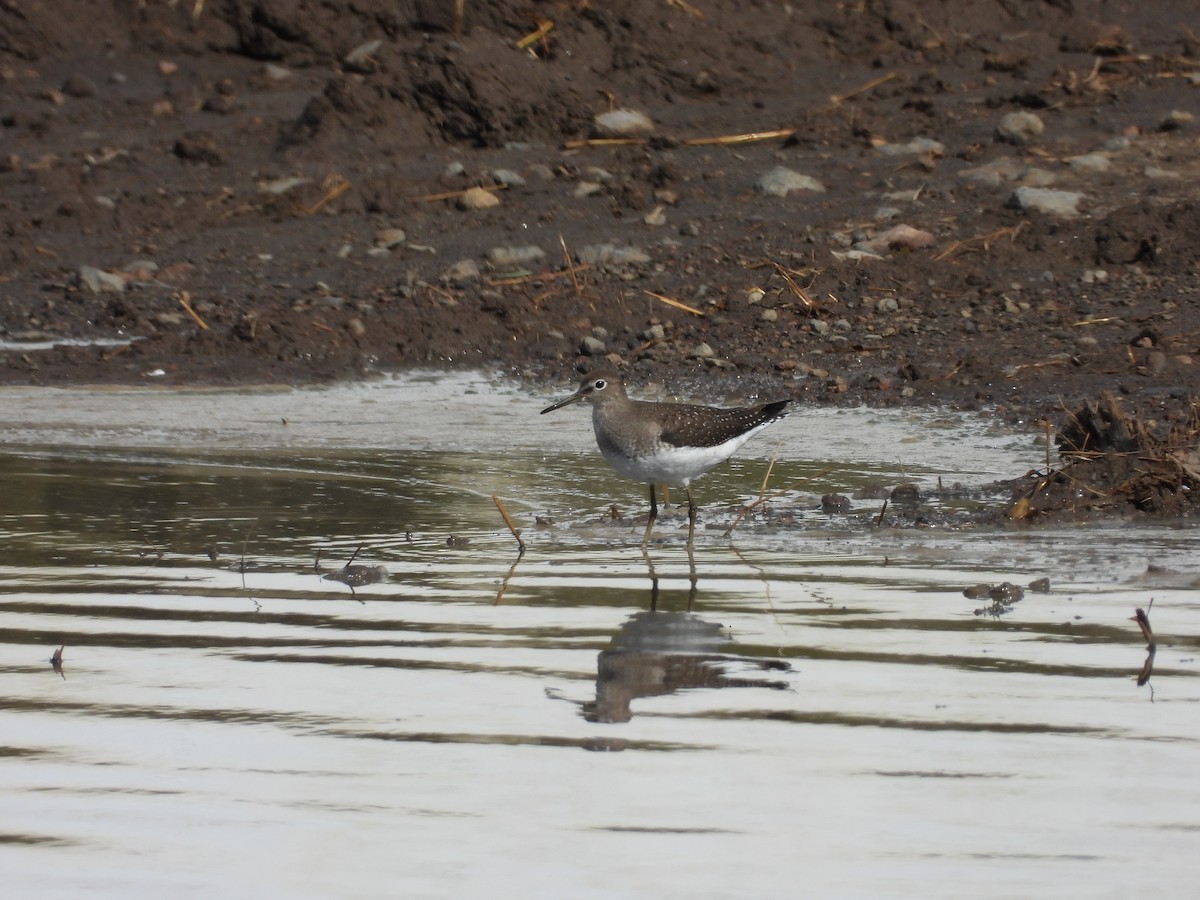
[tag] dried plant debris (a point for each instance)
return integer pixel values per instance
(1113, 463)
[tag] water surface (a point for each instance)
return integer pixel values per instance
(809, 706)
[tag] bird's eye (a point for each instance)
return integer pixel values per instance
(599, 384)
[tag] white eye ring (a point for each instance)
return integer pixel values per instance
(599, 384)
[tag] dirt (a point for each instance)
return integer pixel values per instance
(157, 141)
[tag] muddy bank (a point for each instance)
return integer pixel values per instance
(249, 195)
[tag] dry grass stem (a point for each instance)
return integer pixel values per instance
(983, 240)
(747, 138)
(775, 496)
(674, 303)
(185, 302)
(570, 263)
(687, 8)
(450, 195)
(837, 99)
(545, 26)
(335, 185)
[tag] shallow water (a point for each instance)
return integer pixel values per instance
(822, 713)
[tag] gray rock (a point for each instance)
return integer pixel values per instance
(462, 271)
(592, 346)
(387, 238)
(100, 282)
(781, 181)
(508, 178)
(1019, 128)
(1064, 204)
(916, 147)
(702, 351)
(622, 123)
(515, 256)
(1090, 162)
(611, 255)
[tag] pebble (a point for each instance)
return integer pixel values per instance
(1090, 162)
(1004, 171)
(702, 351)
(1019, 128)
(462, 271)
(585, 189)
(79, 86)
(1172, 121)
(592, 346)
(387, 238)
(361, 58)
(781, 181)
(898, 237)
(508, 178)
(99, 282)
(356, 327)
(611, 255)
(515, 256)
(1064, 204)
(835, 503)
(656, 216)
(477, 198)
(622, 123)
(769, 315)
(916, 147)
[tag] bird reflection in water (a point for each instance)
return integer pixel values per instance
(657, 652)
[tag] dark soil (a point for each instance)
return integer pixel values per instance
(141, 139)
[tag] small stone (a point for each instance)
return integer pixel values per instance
(781, 181)
(1090, 162)
(916, 147)
(1172, 121)
(462, 271)
(362, 58)
(1019, 128)
(899, 237)
(592, 346)
(769, 315)
(585, 189)
(654, 333)
(100, 282)
(1040, 586)
(611, 255)
(515, 256)
(835, 503)
(1064, 204)
(477, 198)
(387, 238)
(356, 327)
(656, 216)
(622, 123)
(508, 178)
(167, 67)
(702, 351)
(79, 86)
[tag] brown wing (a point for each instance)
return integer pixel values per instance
(707, 426)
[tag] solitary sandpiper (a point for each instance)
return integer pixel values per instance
(665, 443)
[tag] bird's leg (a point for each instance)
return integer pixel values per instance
(691, 516)
(653, 515)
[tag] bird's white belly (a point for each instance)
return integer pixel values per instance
(673, 465)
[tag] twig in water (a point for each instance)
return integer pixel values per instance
(764, 499)
(511, 527)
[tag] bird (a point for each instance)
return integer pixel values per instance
(665, 443)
